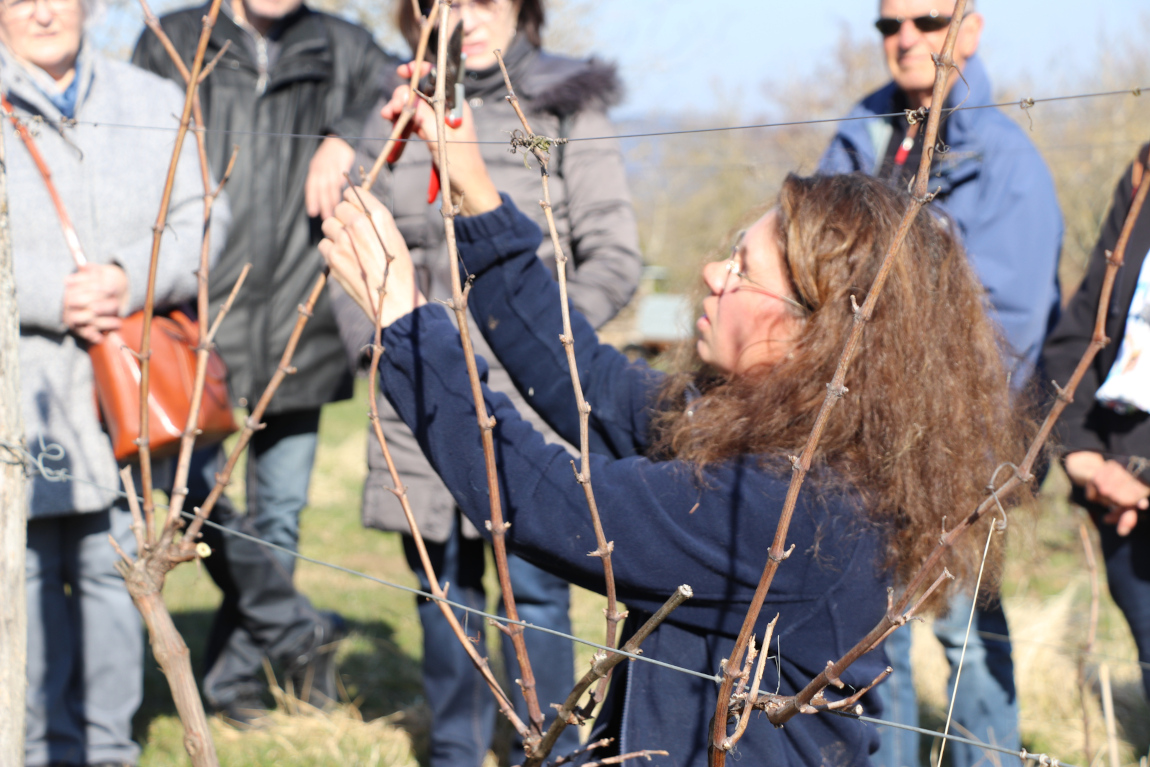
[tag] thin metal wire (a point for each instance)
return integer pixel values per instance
(1041, 759)
(969, 623)
(61, 475)
(472, 610)
(1028, 102)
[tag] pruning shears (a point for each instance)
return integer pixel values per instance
(454, 93)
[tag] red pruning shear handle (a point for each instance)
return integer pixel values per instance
(397, 151)
(454, 117)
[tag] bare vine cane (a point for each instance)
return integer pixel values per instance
(412, 95)
(400, 491)
(187, 441)
(781, 711)
(207, 337)
(720, 743)
(253, 423)
(568, 713)
(157, 235)
(486, 421)
(540, 146)
(1091, 632)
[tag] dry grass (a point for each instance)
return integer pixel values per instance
(1046, 599)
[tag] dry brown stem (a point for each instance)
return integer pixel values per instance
(145, 576)
(1108, 714)
(1091, 630)
(412, 96)
(783, 711)
(741, 727)
(400, 491)
(720, 743)
(157, 235)
(568, 713)
(252, 422)
(207, 336)
(497, 526)
(621, 758)
(603, 547)
(145, 582)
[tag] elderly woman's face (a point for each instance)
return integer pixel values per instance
(488, 26)
(751, 316)
(45, 33)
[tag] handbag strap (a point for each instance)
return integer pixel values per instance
(70, 236)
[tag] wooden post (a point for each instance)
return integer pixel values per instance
(13, 503)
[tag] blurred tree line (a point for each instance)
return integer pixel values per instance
(692, 192)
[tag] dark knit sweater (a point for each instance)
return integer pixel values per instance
(668, 527)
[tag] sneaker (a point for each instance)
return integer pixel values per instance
(313, 674)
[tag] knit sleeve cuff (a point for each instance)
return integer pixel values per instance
(496, 236)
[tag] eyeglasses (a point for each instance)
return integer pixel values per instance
(888, 26)
(733, 268)
(25, 9)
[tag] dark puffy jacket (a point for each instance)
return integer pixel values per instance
(326, 79)
(669, 526)
(593, 216)
(1086, 425)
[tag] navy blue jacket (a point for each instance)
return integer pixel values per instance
(996, 186)
(669, 527)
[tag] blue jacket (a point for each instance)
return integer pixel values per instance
(996, 186)
(669, 526)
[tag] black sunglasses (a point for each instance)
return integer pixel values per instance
(888, 26)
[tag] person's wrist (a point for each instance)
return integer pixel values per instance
(1081, 466)
(479, 198)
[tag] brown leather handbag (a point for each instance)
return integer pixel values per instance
(172, 373)
(116, 372)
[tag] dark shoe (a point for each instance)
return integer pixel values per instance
(312, 674)
(244, 713)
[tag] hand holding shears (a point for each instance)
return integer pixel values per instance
(455, 98)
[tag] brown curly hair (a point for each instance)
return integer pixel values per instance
(929, 413)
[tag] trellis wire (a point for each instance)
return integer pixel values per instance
(1024, 103)
(54, 452)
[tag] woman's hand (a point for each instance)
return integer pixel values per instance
(95, 298)
(352, 248)
(1110, 484)
(471, 188)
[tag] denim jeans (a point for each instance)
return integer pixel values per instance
(280, 461)
(985, 708)
(85, 648)
(462, 707)
(1128, 577)
(262, 614)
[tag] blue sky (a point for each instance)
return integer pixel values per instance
(672, 53)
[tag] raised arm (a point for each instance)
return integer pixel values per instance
(515, 302)
(668, 524)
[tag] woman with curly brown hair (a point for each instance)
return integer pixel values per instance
(691, 468)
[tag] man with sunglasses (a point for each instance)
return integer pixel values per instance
(993, 185)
